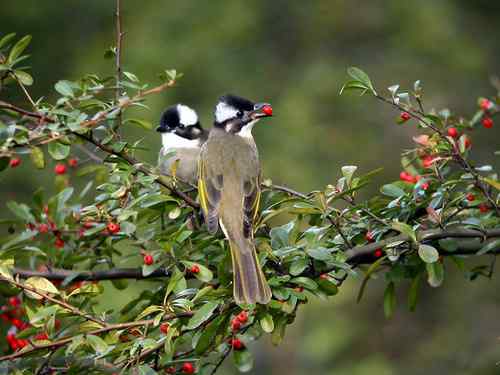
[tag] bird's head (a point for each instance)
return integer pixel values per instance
(237, 115)
(182, 121)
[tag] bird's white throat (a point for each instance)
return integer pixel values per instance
(246, 131)
(172, 140)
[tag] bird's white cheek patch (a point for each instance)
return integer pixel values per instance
(224, 112)
(187, 116)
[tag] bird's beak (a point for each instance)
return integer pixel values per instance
(161, 129)
(261, 110)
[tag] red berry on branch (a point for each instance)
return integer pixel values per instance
(194, 268)
(369, 236)
(405, 116)
(88, 224)
(235, 325)
(323, 276)
(483, 207)
(424, 185)
(60, 169)
(14, 162)
(17, 323)
(41, 336)
(73, 163)
(470, 197)
(43, 228)
(59, 243)
(148, 259)
(164, 328)
(452, 132)
(113, 228)
(467, 142)
(427, 161)
(14, 301)
(485, 104)
(242, 317)
(378, 253)
(237, 344)
(188, 368)
(487, 122)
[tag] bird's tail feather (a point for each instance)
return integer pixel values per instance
(249, 283)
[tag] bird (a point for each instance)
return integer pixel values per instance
(229, 190)
(182, 136)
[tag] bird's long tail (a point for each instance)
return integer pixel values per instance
(249, 283)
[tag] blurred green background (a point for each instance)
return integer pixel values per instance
(294, 54)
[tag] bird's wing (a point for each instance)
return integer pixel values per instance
(209, 190)
(251, 201)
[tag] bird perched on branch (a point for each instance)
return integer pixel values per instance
(229, 190)
(182, 137)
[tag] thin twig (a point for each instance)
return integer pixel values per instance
(63, 304)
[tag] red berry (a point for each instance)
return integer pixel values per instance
(378, 253)
(424, 185)
(268, 110)
(59, 243)
(470, 197)
(235, 325)
(148, 260)
(242, 317)
(14, 301)
(483, 207)
(88, 224)
(452, 132)
(487, 122)
(194, 268)
(188, 368)
(323, 276)
(485, 104)
(405, 116)
(170, 370)
(164, 328)
(405, 176)
(427, 161)
(21, 343)
(467, 142)
(73, 162)
(60, 168)
(369, 236)
(113, 228)
(17, 323)
(237, 344)
(43, 228)
(41, 336)
(14, 162)
(46, 210)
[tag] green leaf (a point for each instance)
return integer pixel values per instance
(392, 190)
(347, 172)
(428, 253)
(202, 315)
(98, 344)
(413, 293)
(58, 150)
(353, 85)
(22, 211)
(18, 48)
(140, 123)
(208, 335)
(243, 360)
(298, 266)
(6, 39)
(37, 157)
(368, 274)
(319, 253)
(494, 183)
(64, 88)
(305, 282)
(267, 323)
(405, 229)
(435, 274)
(490, 246)
(41, 284)
(389, 300)
(280, 235)
(328, 287)
(25, 78)
(360, 76)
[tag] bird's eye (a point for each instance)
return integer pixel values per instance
(239, 114)
(180, 126)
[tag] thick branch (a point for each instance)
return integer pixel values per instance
(360, 253)
(113, 274)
